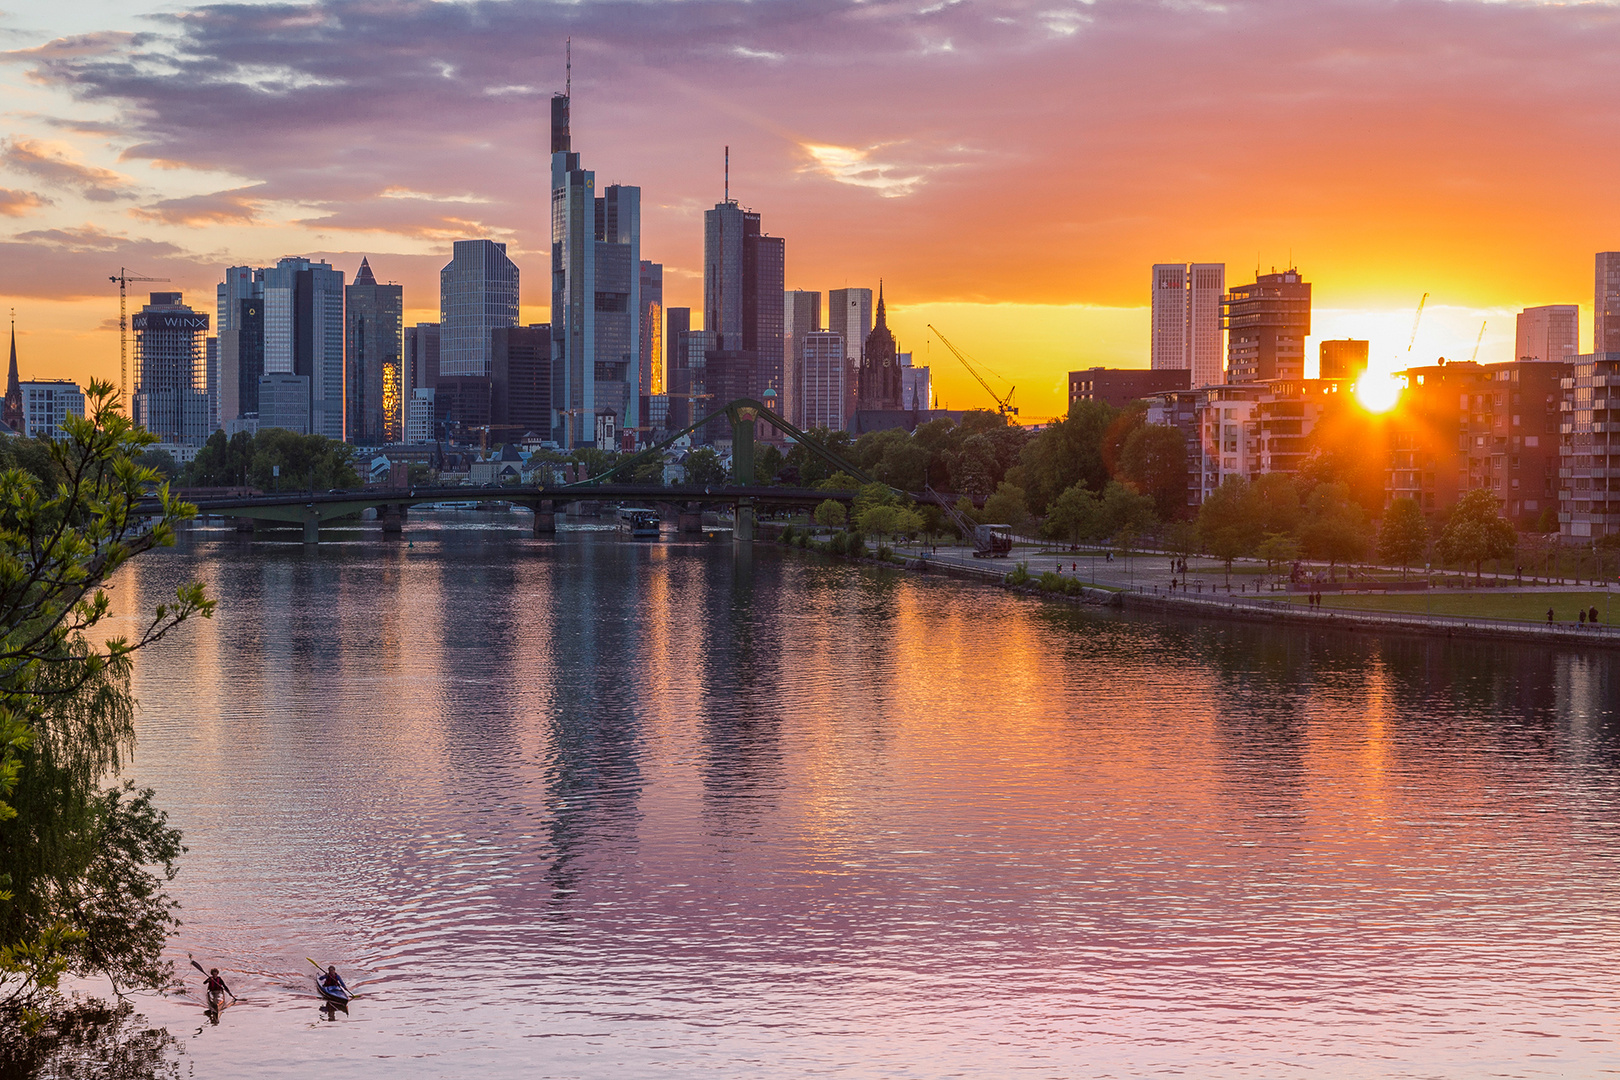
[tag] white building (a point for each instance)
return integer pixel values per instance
(46, 402)
(849, 313)
(1187, 320)
(419, 417)
(478, 292)
(823, 380)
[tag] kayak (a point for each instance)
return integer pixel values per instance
(337, 995)
(216, 1001)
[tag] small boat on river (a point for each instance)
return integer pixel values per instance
(639, 522)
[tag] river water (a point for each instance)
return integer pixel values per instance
(599, 808)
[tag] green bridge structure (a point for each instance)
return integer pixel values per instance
(312, 509)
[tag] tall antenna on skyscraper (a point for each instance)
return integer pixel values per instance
(728, 174)
(568, 62)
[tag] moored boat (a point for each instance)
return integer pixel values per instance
(639, 522)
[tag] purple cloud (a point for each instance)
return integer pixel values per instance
(57, 169)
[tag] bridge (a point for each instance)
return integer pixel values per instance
(310, 509)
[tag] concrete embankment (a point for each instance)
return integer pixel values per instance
(1274, 612)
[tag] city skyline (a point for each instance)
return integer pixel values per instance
(108, 162)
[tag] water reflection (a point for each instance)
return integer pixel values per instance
(670, 808)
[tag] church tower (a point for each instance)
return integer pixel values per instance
(12, 413)
(880, 366)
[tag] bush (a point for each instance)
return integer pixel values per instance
(787, 535)
(1052, 582)
(855, 545)
(1019, 575)
(836, 544)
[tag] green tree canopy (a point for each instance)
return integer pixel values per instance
(1006, 507)
(1227, 526)
(1476, 531)
(1334, 526)
(1066, 453)
(1404, 535)
(830, 514)
(77, 893)
(1074, 516)
(1124, 514)
(1153, 458)
(704, 467)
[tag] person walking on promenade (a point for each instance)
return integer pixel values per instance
(1549, 616)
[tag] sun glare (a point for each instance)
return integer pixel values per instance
(1378, 392)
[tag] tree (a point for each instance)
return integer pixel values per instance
(1404, 535)
(768, 463)
(831, 514)
(1226, 525)
(1154, 459)
(1124, 514)
(704, 468)
(839, 481)
(1476, 532)
(76, 890)
(888, 520)
(1335, 528)
(159, 461)
(1074, 516)
(310, 462)
(1277, 549)
(1065, 454)
(1007, 507)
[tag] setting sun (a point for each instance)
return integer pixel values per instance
(1378, 392)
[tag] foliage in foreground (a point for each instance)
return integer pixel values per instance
(76, 894)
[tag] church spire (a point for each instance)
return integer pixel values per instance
(880, 319)
(12, 413)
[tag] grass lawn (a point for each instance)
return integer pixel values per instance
(1524, 607)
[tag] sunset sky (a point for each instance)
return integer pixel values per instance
(1009, 169)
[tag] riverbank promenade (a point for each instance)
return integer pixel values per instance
(1453, 604)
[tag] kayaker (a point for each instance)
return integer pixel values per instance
(214, 985)
(332, 978)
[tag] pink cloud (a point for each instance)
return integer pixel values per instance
(14, 203)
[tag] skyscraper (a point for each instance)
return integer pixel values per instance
(421, 358)
(801, 313)
(478, 291)
(1267, 323)
(520, 390)
(678, 381)
(1187, 319)
(849, 314)
(1342, 358)
(822, 368)
(303, 335)
(1551, 332)
(743, 272)
(652, 328)
(239, 314)
(596, 307)
(375, 320)
(1606, 305)
(171, 381)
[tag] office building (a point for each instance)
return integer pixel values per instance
(743, 274)
(239, 311)
(419, 415)
(651, 380)
(284, 402)
(849, 314)
(596, 306)
(1342, 358)
(46, 403)
(689, 398)
(1120, 387)
(823, 369)
(303, 335)
(375, 316)
(1589, 465)
(1186, 332)
(801, 314)
(171, 379)
(677, 382)
(1551, 332)
(211, 367)
(421, 358)
(916, 385)
(520, 383)
(1606, 304)
(478, 292)
(1266, 323)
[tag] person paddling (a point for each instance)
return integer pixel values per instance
(331, 978)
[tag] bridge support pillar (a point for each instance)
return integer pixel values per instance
(312, 525)
(392, 518)
(690, 519)
(743, 530)
(545, 518)
(244, 525)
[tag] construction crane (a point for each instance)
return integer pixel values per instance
(1413, 340)
(1477, 340)
(123, 279)
(1003, 404)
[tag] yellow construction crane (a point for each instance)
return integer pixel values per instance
(1413, 340)
(1004, 405)
(123, 280)
(1479, 339)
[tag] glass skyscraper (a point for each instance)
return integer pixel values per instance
(478, 292)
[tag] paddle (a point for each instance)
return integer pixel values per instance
(200, 968)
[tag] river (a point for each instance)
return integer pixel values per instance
(589, 807)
